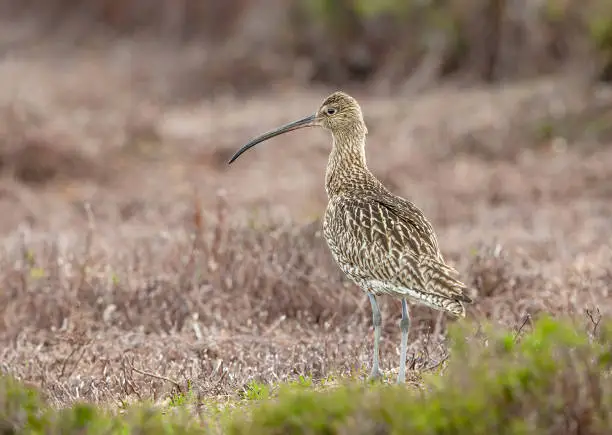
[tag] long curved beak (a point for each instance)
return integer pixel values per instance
(309, 121)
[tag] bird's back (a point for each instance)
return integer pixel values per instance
(385, 245)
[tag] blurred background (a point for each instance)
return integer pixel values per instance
(248, 44)
(124, 232)
(244, 45)
(90, 86)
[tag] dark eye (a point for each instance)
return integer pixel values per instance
(331, 111)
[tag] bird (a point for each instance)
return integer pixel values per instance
(382, 242)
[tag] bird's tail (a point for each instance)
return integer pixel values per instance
(438, 302)
(442, 280)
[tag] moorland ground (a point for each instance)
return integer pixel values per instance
(130, 247)
(136, 263)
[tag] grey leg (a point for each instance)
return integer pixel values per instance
(377, 321)
(405, 327)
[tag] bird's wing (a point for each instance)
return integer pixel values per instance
(409, 219)
(386, 240)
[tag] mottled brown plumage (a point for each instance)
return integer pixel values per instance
(381, 241)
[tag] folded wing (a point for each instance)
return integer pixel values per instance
(387, 243)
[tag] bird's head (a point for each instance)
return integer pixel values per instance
(340, 114)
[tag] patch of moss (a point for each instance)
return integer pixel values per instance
(493, 385)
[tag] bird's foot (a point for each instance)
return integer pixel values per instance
(375, 375)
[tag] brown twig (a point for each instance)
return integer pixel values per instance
(91, 225)
(438, 364)
(216, 245)
(26, 265)
(198, 221)
(591, 317)
(128, 382)
(526, 318)
(156, 376)
(81, 347)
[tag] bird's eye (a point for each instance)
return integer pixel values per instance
(331, 111)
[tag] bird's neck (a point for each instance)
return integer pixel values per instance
(347, 168)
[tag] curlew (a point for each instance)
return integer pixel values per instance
(381, 241)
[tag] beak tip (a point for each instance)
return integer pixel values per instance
(309, 121)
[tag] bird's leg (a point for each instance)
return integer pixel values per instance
(377, 321)
(405, 327)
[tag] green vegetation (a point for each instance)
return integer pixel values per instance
(474, 33)
(555, 379)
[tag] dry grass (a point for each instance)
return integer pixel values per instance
(159, 265)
